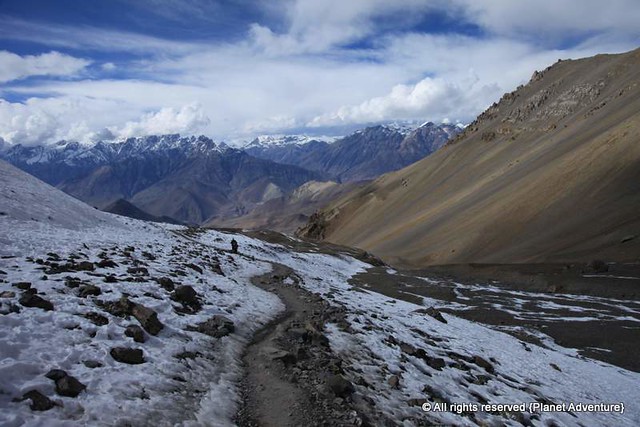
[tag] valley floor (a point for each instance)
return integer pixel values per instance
(285, 333)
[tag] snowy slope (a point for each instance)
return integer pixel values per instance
(190, 378)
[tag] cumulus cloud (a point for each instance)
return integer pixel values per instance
(430, 97)
(14, 67)
(188, 119)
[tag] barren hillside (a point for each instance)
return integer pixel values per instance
(550, 173)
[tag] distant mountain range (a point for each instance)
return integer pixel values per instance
(550, 173)
(196, 180)
(363, 155)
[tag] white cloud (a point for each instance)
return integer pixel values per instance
(300, 72)
(188, 119)
(15, 67)
(430, 97)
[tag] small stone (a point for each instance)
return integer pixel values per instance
(92, 364)
(96, 318)
(138, 271)
(7, 294)
(408, 349)
(85, 266)
(135, 332)
(394, 381)
(107, 263)
(483, 363)
(110, 278)
(194, 267)
(69, 386)
(55, 374)
(147, 318)
(185, 295)
(39, 402)
(166, 283)
(435, 313)
(87, 290)
(340, 386)
(31, 300)
(22, 285)
(217, 326)
(131, 356)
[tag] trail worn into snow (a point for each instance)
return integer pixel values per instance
(292, 377)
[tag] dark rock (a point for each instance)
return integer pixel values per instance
(194, 267)
(92, 364)
(131, 356)
(483, 363)
(96, 318)
(110, 278)
(340, 386)
(121, 308)
(285, 357)
(87, 290)
(107, 263)
(147, 318)
(416, 402)
(85, 266)
(56, 374)
(69, 386)
(66, 385)
(138, 271)
(149, 256)
(166, 283)
(22, 285)
(408, 349)
(72, 282)
(39, 402)
(433, 312)
(217, 326)
(394, 381)
(31, 300)
(135, 332)
(436, 363)
(7, 294)
(185, 295)
(187, 355)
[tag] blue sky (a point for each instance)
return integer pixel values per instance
(89, 70)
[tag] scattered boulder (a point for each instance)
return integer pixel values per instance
(340, 386)
(483, 363)
(66, 385)
(96, 318)
(120, 308)
(87, 290)
(92, 364)
(39, 402)
(31, 300)
(110, 278)
(394, 381)
(217, 326)
(166, 283)
(135, 332)
(188, 297)
(85, 266)
(7, 294)
(194, 267)
(22, 285)
(147, 318)
(131, 356)
(138, 271)
(107, 263)
(435, 313)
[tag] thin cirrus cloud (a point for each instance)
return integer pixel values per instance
(290, 66)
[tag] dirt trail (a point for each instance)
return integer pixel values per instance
(289, 364)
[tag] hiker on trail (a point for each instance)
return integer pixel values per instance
(234, 246)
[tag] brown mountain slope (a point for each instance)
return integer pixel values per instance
(287, 213)
(551, 173)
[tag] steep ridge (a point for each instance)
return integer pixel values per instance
(128, 209)
(550, 173)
